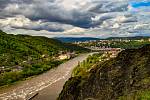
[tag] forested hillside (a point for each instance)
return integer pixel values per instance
(126, 77)
(22, 56)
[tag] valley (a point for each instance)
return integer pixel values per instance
(48, 84)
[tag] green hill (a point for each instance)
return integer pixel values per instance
(126, 77)
(22, 56)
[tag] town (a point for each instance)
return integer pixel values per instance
(111, 44)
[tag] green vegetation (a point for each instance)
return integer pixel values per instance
(22, 56)
(83, 67)
(126, 77)
(139, 95)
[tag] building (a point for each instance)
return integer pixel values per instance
(66, 56)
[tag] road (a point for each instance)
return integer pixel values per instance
(48, 84)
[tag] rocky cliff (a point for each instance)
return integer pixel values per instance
(126, 77)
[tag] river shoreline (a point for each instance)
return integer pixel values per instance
(41, 82)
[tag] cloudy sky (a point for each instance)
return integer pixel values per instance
(88, 18)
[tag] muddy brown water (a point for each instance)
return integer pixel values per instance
(48, 85)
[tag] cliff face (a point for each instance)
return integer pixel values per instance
(126, 77)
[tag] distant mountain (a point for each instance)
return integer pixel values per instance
(75, 39)
(129, 38)
(126, 77)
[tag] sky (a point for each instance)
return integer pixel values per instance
(76, 18)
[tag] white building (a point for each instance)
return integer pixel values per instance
(64, 56)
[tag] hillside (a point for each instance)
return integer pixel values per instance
(126, 77)
(22, 56)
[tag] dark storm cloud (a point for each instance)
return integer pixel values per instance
(112, 16)
(54, 14)
(50, 10)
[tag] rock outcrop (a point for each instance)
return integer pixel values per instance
(126, 77)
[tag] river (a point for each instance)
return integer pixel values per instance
(48, 85)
